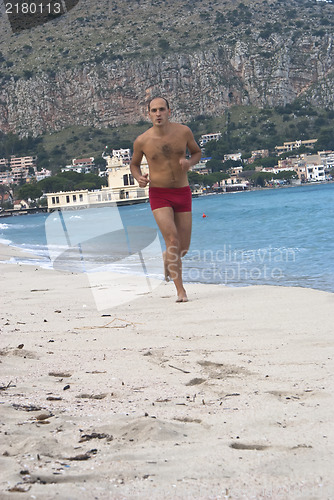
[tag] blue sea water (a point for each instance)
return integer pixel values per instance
(282, 236)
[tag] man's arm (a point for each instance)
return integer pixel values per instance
(194, 150)
(135, 164)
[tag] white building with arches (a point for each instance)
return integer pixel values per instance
(122, 189)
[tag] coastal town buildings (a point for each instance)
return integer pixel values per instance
(18, 169)
(315, 173)
(22, 174)
(4, 163)
(6, 178)
(201, 167)
(23, 168)
(205, 138)
(20, 204)
(327, 159)
(24, 162)
(122, 189)
(306, 167)
(311, 168)
(233, 157)
(81, 165)
(86, 163)
(234, 184)
(290, 146)
(260, 153)
(43, 174)
(235, 171)
(125, 154)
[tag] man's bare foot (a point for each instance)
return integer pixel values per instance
(182, 299)
(167, 275)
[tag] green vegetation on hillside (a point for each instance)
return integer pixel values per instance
(246, 128)
(243, 128)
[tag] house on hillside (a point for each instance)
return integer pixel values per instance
(6, 178)
(6, 198)
(43, 174)
(205, 138)
(81, 165)
(311, 168)
(20, 205)
(290, 146)
(233, 157)
(315, 173)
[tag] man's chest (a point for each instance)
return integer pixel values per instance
(168, 149)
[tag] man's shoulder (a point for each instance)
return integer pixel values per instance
(142, 138)
(180, 128)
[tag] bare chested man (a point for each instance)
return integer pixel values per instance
(165, 145)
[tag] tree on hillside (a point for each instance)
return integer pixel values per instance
(53, 185)
(11, 144)
(286, 175)
(228, 164)
(211, 179)
(3, 191)
(85, 184)
(270, 161)
(260, 178)
(217, 149)
(326, 139)
(43, 158)
(71, 181)
(214, 165)
(30, 192)
(96, 180)
(100, 163)
(194, 178)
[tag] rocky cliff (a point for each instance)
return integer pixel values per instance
(255, 62)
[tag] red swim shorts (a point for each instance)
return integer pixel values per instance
(179, 199)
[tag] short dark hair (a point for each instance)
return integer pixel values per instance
(157, 97)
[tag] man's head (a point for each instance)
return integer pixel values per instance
(154, 98)
(159, 111)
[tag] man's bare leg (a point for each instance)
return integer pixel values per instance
(170, 224)
(183, 223)
(166, 271)
(174, 265)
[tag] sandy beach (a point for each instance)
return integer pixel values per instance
(227, 396)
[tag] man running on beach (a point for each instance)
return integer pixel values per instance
(165, 145)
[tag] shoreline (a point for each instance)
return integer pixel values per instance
(271, 188)
(227, 395)
(12, 254)
(31, 211)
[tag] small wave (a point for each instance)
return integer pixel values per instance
(45, 264)
(4, 226)
(25, 227)
(3, 241)
(39, 251)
